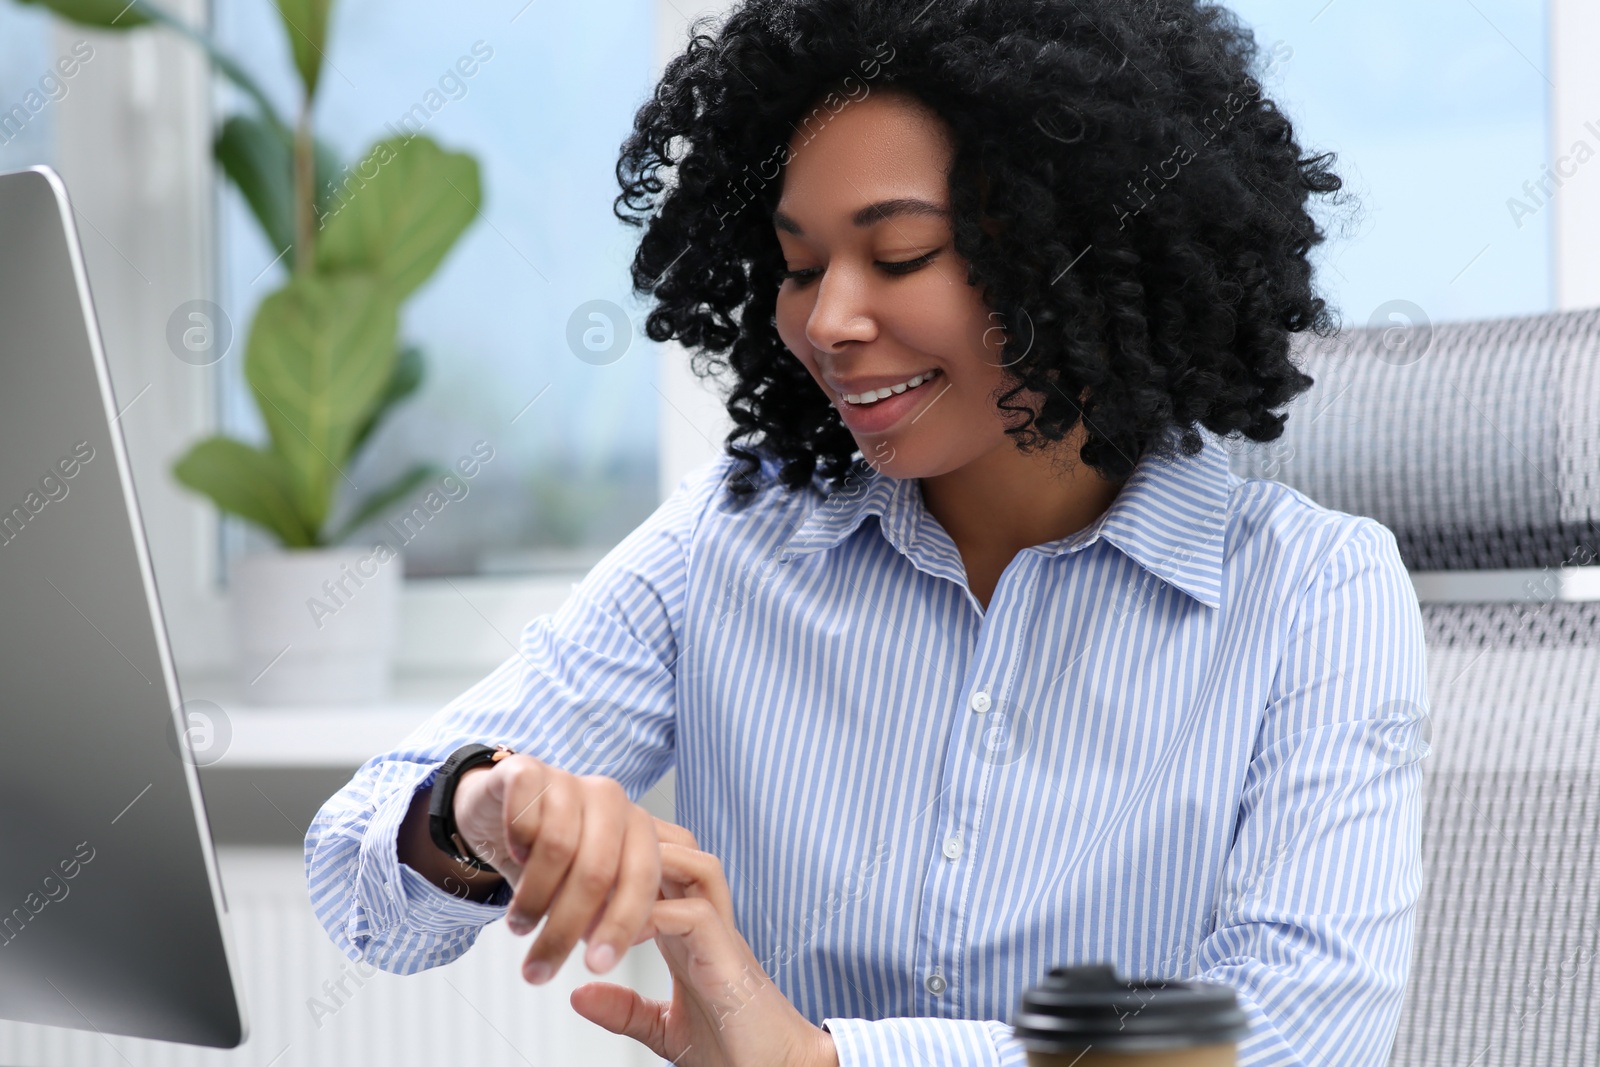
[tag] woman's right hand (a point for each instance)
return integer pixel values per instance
(577, 851)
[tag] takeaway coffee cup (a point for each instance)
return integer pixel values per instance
(1093, 1017)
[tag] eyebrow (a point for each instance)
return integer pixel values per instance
(872, 213)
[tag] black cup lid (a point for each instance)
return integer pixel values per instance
(1075, 1007)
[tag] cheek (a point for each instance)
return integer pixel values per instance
(946, 318)
(791, 317)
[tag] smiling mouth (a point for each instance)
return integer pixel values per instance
(867, 399)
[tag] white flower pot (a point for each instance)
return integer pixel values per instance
(316, 626)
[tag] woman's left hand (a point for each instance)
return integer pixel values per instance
(725, 1011)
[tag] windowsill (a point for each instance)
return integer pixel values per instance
(282, 762)
(322, 735)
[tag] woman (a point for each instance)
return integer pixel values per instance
(972, 655)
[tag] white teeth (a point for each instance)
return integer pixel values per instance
(873, 396)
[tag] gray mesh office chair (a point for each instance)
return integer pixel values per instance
(1478, 444)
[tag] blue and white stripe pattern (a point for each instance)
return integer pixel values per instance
(1170, 743)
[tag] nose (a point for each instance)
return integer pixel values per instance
(842, 312)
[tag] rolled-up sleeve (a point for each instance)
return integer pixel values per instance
(1314, 928)
(590, 689)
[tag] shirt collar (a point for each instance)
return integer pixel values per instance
(1170, 518)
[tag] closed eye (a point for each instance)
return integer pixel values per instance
(799, 276)
(904, 266)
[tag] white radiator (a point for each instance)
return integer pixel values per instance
(390, 1020)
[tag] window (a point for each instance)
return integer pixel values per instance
(1440, 116)
(574, 441)
(30, 88)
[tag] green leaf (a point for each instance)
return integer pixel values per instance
(385, 498)
(406, 379)
(256, 157)
(109, 14)
(400, 210)
(321, 353)
(306, 24)
(248, 482)
(409, 370)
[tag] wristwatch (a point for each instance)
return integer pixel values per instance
(441, 801)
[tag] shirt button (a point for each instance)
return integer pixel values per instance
(952, 847)
(934, 984)
(980, 701)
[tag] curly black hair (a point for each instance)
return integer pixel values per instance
(1128, 201)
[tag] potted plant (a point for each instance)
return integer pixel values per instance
(315, 621)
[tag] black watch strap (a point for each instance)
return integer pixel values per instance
(441, 801)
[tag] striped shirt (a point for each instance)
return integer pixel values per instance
(1172, 742)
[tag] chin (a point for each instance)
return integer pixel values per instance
(903, 459)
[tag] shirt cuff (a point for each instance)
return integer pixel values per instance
(404, 897)
(926, 1042)
(435, 910)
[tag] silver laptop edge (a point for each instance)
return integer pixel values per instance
(213, 1019)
